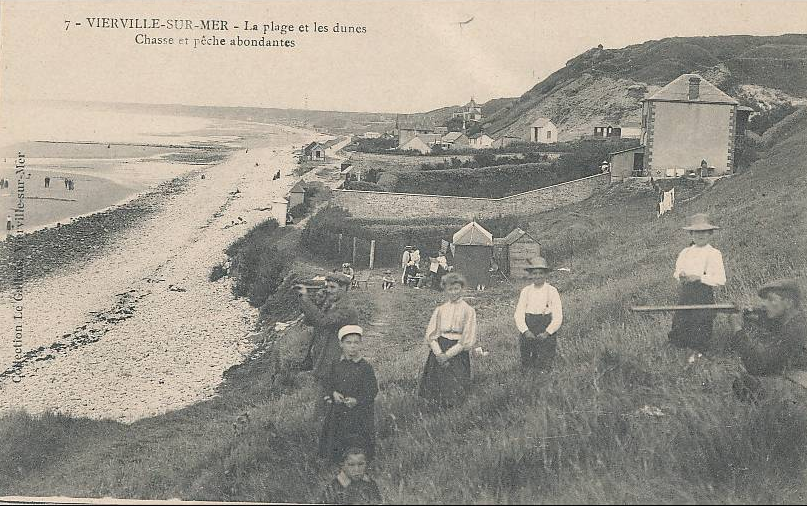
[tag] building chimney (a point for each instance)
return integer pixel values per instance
(694, 88)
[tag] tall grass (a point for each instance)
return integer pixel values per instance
(623, 417)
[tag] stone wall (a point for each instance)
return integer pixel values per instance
(387, 205)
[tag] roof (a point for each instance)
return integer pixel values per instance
(415, 140)
(515, 235)
(678, 91)
(472, 234)
(541, 122)
(635, 148)
(452, 136)
(745, 108)
(298, 188)
(308, 147)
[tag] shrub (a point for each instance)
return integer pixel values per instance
(217, 273)
(258, 267)
(363, 185)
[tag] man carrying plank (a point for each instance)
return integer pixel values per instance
(771, 340)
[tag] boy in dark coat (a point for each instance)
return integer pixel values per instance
(352, 485)
(351, 388)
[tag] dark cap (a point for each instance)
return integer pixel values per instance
(786, 287)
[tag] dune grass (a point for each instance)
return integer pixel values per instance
(623, 418)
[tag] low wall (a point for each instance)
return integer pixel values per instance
(388, 205)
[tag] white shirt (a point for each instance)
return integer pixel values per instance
(405, 258)
(706, 262)
(539, 300)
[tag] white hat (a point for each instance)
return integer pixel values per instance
(350, 329)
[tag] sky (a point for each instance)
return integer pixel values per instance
(415, 55)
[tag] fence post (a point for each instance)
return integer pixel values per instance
(372, 253)
(340, 246)
(354, 251)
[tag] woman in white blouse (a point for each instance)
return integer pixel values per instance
(698, 269)
(450, 335)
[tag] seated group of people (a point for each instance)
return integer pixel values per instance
(415, 271)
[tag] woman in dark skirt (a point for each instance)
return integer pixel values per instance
(699, 268)
(451, 334)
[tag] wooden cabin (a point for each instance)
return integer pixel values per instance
(513, 252)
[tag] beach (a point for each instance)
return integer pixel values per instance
(136, 329)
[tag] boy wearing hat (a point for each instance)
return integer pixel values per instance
(698, 269)
(539, 315)
(351, 388)
(771, 339)
(327, 316)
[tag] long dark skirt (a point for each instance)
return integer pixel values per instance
(538, 353)
(345, 427)
(693, 329)
(447, 384)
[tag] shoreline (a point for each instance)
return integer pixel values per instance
(113, 298)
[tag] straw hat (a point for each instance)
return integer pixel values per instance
(700, 221)
(536, 263)
(787, 287)
(350, 329)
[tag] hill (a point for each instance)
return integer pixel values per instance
(623, 418)
(606, 85)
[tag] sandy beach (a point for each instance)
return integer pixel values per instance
(139, 330)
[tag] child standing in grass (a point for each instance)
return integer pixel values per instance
(351, 389)
(698, 269)
(352, 485)
(538, 316)
(451, 334)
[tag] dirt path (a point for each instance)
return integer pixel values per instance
(141, 330)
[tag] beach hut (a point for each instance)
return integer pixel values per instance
(297, 195)
(513, 251)
(279, 210)
(472, 246)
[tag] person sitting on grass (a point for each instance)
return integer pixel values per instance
(450, 335)
(352, 485)
(771, 340)
(351, 388)
(538, 316)
(387, 282)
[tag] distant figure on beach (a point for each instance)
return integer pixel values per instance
(203, 176)
(8, 222)
(71, 185)
(66, 183)
(47, 182)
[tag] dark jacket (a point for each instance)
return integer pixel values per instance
(770, 347)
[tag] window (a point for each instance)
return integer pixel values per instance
(549, 134)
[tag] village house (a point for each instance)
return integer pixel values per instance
(504, 141)
(371, 135)
(314, 151)
(418, 143)
(297, 195)
(406, 130)
(480, 141)
(455, 140)
(471, 112)
(689, 121)
(543, 131)
(627, 163)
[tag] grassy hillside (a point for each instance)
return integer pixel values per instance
(623, 418)
(606, 85)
